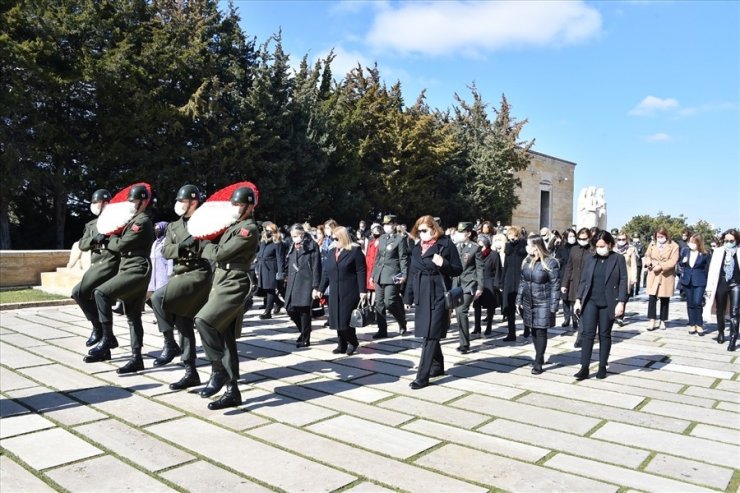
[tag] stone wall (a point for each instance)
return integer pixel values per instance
(24, 267)
(551, 175)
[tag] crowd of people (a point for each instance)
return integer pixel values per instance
(205, 286)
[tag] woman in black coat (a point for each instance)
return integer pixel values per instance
(515, 253)
(571, 273)
(304, 276)
(562, 255)
(538, 295)
(344, 273)
(270, 268)
(434, 262)
(489, 293)
(602, 294)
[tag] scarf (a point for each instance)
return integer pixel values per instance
(486, 252)
(729, 264)
(426, 244)
(623, 249)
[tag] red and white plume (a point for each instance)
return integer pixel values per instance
(210, 220)
(118, 212)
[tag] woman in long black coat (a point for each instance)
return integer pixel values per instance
(434, 262)
(515, 253)
(570, 276)
(270, 266)
(489, 294)
(344, 273)
(538, 295)
(304, 276)
(562, 255)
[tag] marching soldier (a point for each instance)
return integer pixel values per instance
(470, 280)
(176, 303)
(133, 246)
(103, 266)
(389, 273)
(219, 322)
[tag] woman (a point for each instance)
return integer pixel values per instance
(562, 255)
(270, 267)
(434, 262)
(487, 296)
(538, 295)
(723, 284)
(376, 231)
(630, 257)
(694, 271)
(571, 274)
(660, 262)
(345, 274)
(515, 253)
(487, 229)
(601, 296)
(304, 275)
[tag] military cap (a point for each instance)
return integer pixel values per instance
(389, 219)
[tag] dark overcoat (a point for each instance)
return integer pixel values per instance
(539, 293)
(491, 286)
(615, 281)
(304, 273)
(346, 278)
(515, 252)
(187, 290)
(103, 263)
(427, 285)
(270, 264)
(571, 275)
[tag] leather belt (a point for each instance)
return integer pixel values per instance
(234, 266)
(134, 253)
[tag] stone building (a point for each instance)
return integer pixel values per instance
(546, 196)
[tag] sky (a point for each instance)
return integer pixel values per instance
(644, 96)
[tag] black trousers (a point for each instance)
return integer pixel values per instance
(724, 294)
(478, 306)
(431, 359)
(167, 322)
(652, 302)
(301, 317)
(462, 313)
(220, 346)
(88, 306)
(510, 313)
(388, 298)
(347, 336)
(591, 316)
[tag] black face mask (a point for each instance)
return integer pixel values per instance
(268, 234)
(376, 235)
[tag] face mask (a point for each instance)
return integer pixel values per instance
(362, 227)
(730, 245)
(297, 239)
(572, 240)
(693, 246)
(602, 251)
(685, 238)
(661, 240)
(327, 233)
(635, 240)
(376, 235)
(530, 250)
(583, 243)
(458, 237)
(512, 238)
(268, 234)
(621, 242)
(96, 208)
(425, 236)
(236, 212)
(181, 208)
(388, 229)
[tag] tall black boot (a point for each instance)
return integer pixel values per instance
(218, 379)
(231, 398)
(169, 351)
(539, 338)
(720, 335)
(95, 335)
(101, 351)
(136, 363)
(731, 346)
(190, 379)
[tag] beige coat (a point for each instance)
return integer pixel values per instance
(630, 258)
(715, 270)
(663, 283)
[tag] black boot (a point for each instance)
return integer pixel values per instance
(381, 334)
(231, 398)
(107, 342)
(169, 351)
(218, 379)
(95, 335)
(267, 314)
(731, 346)
(720, 336)
(103, 355)
(511, 336)
(136, 363)
(190, 379)
(582, 374)
(601, 374)
(539, 338)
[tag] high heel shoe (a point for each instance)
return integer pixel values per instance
(662, 325)
(692, 329)
(700, 330)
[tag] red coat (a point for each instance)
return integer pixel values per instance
(372, 252)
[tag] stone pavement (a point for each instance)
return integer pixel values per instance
(667, 417)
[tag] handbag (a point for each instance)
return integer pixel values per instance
(454, 297)
(317, 309)
(363, 315)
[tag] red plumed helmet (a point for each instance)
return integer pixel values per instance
(118, 212)
(210, 220)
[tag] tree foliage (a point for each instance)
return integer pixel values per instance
(646, 225)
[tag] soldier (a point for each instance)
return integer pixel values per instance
(219, 322)
(103, 266)
(389, 273)
(176, 303)
(133, 246)
(470, 280)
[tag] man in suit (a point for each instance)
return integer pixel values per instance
(389, 275)
(469, 280)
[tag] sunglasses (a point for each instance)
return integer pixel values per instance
(622, 239)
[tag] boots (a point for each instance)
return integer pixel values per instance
(267, 314)
(136, 363)
(101, 351)
(720, 336)
(95, 336)
(601, 374)
(169, 351)
(231, 398)
(731, 346)
(582, 374)
(218, 379)
(539, 338)
(190, 379)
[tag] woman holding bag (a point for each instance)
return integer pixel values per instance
(304, 274)
(434, 262)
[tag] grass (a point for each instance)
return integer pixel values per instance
(26, 295)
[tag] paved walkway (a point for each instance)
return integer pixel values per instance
(667, 417)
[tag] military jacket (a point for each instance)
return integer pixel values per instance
(471, 258)
(103, 263)
(392, 258)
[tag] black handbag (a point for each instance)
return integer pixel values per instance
(363, 315)
(317, 309)
(455, 296)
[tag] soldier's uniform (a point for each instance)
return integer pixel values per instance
(391, 262)
(469, 280)
(103, 266)
(219, 321)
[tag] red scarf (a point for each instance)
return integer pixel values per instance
(426, 244)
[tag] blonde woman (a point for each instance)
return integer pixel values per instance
(629, 252)
(538, 295)
(660, 262)
(270, 268)
(345, 275)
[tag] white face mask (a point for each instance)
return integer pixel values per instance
(530, 249)
(458, 237)
(602, 251)
(425, 236)
(181, 208)
(661, 240)
(693, 246)
(572, 240)
(297, 239)
(388, 229)
(236, 211)
(327, 233)
(334, 244)
(583, 243)
(96, 208)
(621, 242)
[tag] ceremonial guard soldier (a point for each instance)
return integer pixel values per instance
(389, 273)
(176, 303)
(470, 280)
(103, 266)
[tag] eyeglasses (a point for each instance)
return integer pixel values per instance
(622, 239)
(423, 230)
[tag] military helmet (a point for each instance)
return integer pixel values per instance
(188, 192)
(243, 195)
(101, 195)
(138, 192)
